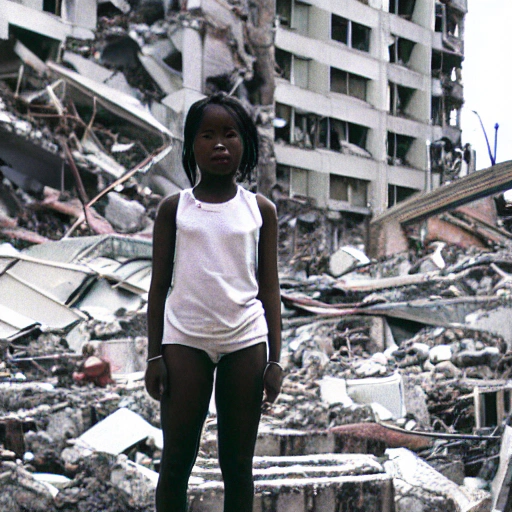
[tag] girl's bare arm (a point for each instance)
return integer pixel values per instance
(164, 240)
(269, 291)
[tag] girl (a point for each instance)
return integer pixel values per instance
(215, 248)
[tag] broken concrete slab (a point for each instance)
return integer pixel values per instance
(346, 259)
(124, 105)
(501, 484)
(317, 483)
(386, 391)
(19, 490)
(111, 435)
(127, 216)
(418, 485)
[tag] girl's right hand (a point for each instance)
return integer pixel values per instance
(155, 378)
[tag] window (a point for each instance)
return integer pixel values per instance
(299, 182)
(439, 23)
(300, 76)
(452, 116)
(53, 6)
(300, 18)
(404, 8)
(284, 12)
(292, 68)
(334, 131)
(294, 15)
(437, 111)
(397, 194)
(348, 83)
(283, 122)
(400, 50)
(307, 130)
(304, 129)
(398, 147)
(399, 98)
(348, 32)
(284, 64)
(446, 64)
(349, 190)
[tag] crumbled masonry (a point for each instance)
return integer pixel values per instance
(397, 394)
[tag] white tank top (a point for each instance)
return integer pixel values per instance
(214, 285)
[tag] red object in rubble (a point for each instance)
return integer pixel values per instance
(94, 370)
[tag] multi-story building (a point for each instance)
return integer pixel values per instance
(367, 100)
(367, 89)
(42, 25)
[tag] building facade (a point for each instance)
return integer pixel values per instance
(368, 99)
(44, 24)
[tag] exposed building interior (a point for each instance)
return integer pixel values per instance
(368, 100)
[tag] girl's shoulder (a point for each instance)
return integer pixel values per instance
(169, 205)
(265, 205)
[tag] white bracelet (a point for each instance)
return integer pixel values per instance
(276, 363)
(153, 359)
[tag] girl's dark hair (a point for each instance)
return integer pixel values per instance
(244, 123)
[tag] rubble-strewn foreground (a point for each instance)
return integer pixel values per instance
(397, 392)
(395, 359)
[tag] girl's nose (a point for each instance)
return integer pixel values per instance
(219, 146)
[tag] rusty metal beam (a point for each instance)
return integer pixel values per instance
(475, 186)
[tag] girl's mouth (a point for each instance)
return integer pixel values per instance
(221, 159)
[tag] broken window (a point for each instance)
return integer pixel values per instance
(350, 190)
(453, 23)
(348, 83)
(44, 47)
(439, 22)
(398, 147)
(348, 32)
(400, 50)
(284, 64)
(53, 6)
(403, 8)
(304, 129)
(452, 113)
(282, 122)
(446, 65)
(284, 12)
(293, 126)
(399, 99)
(397, 194)
(334, 131)
(292, 68)
(437, 111)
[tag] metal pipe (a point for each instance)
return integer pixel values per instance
(493, 160)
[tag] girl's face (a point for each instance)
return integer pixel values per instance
(218, 147)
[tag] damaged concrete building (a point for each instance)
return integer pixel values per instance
(368, 99)
(408, 352)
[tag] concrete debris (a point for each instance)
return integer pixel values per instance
(420, 487)
(395, 337)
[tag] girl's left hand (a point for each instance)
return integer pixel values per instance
(272, 380)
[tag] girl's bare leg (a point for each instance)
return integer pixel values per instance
(184, 407)
(238, 393)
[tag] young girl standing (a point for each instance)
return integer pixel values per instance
(214, 303)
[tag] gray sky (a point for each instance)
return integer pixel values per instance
(487, 77)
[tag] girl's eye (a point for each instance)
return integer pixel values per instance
(232, 135)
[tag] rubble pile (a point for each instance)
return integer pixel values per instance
(348, 364)
(408, 352)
